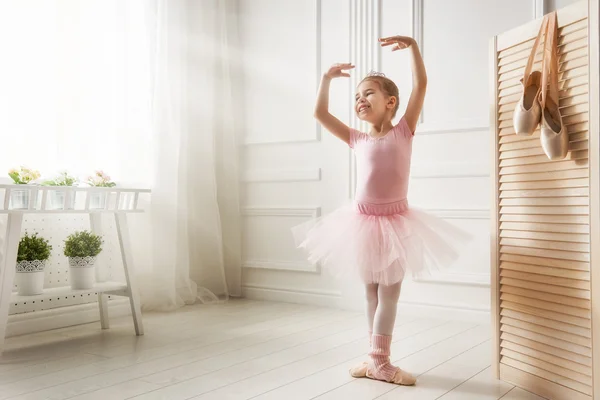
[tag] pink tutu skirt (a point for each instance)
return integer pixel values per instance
(379, 243)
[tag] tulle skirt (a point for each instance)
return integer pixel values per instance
(380, 243)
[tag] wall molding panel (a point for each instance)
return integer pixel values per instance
(282, 175)
(316, 137)
(278, 212)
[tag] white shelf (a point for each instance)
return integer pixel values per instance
(67, 291)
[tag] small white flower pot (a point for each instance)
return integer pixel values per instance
(19, 198)
(82, 272)
(97, 200)
(62, 199)
(30, 277)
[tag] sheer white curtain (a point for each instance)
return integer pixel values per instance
(195, 193)
(141, 89)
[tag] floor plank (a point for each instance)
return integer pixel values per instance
(247, 349)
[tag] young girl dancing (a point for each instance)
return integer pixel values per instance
(378, 237)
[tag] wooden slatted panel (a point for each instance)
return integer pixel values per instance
(543, 235)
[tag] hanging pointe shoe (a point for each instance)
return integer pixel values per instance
(554, 136)
(528, 111)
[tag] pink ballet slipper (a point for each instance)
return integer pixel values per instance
(380, 367)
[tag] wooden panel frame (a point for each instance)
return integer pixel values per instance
(594, 165)
(498, 46)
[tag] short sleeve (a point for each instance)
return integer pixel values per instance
(403, 128)
(355, 137)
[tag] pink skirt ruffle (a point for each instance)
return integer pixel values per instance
(380, 243)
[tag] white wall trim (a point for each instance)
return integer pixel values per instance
(450, 170)
(324, 298)
(292, 266)
(418, 24)
(454, 312)
(306, 212)
(282, 175)
(456, 279)
(281, 265)
(463, 126)
(539, 8)
(333, 299)
(257, 141)
(365, 53)
(38, 321)
(461, 213)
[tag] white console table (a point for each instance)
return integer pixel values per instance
(73, 200)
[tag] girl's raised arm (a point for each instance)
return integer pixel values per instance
(419, 77)
(322, 114)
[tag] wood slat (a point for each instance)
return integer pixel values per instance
(541, 287)
(567, 44)
(546, 262)
(551, 219)
(573, 87)
(550, 367)
(547, 375)
(569, 62)
(546, 201)
(532, 142)
(566, 192)
(546, 176)
(534, 321)
(556, 351)
(507, 131)
(574, 100)
(574, 348)
(549, 280)
(546, 244)
(560, 237)
(549, 184)
(554, 308)
(543, 210)
(573, 366)
(546, 228)
(526, 45)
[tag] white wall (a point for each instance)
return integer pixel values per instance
(294, 171)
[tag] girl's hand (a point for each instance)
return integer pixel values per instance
(399, 42)
(337, 70)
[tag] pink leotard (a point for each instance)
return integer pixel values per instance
(383, 165)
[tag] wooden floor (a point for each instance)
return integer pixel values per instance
(248, 350)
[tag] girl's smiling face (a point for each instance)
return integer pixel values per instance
(372, 104)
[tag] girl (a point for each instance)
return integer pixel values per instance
(379, 237)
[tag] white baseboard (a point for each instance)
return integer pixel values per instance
(448, 312)
(322, 298)
(38, 321)
(467, 313)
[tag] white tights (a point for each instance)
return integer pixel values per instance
(382, 303)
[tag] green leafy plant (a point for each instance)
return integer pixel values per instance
(63, 179)
(32, 247)
(100, 179)
(83, 244)
(23, 175)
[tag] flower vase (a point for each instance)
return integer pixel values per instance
(82, 272)
(30, 277)
(19, 199)
(97, 200)
(62, 200)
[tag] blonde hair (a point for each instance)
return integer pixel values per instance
(387, 86)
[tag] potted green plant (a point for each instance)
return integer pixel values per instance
(101, 180)
(32, 255)
(82, 248)
(62, 199)
(19, 198)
